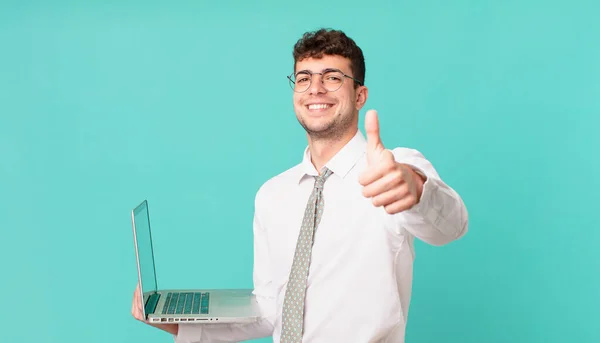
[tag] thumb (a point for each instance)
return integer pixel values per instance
(374, 143)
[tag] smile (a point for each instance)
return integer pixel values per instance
(313, 107)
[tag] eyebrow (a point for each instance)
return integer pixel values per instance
(322, 71)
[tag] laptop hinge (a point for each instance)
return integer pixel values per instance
(152, 303)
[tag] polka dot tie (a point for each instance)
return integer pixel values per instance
(293, 303)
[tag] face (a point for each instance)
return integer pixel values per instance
(325, 114)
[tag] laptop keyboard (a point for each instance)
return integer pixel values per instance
(186, 303)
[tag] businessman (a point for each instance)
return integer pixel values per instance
(334, 235)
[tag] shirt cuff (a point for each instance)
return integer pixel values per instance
(188, 333)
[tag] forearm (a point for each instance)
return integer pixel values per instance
(170, 328)
(223, 333)
(440, 216)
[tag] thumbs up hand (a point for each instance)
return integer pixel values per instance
(395, 186)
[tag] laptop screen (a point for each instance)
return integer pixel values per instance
(144, 246)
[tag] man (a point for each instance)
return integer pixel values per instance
(334, 235)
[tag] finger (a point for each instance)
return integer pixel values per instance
(385, 183)
(376, 171)
(374, 143)
(136, 297)
(389, 197)
(138, 314)
(135, 305)
(400, 205)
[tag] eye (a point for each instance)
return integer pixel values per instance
(333, 77)
(302, 78)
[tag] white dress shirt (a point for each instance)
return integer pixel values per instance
(360, 276)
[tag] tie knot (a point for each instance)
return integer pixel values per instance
(320, 180)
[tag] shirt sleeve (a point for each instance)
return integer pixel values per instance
(441, 216)
(263, 290)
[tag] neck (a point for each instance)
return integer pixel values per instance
(323, 149)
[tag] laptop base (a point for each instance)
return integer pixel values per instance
(202, 306)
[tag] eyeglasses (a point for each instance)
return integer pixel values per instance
(332, 80)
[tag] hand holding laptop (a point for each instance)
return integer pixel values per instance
(165, 308)
(138, 313)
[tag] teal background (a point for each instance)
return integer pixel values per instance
(103, 104)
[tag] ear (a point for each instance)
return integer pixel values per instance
(362, 93)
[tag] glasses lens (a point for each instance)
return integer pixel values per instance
(332, 80)
(300, 82)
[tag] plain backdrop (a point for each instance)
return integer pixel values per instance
(186, 104)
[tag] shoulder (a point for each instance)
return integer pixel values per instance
(278, 185)
(404, 153)
(414, 158)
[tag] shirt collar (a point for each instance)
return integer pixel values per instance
(341, 163)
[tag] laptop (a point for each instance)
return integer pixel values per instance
(183, 305)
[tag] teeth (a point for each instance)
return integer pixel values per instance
(318, 106)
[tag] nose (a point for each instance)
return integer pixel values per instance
(316, 86)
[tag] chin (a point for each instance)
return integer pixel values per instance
(318, 127)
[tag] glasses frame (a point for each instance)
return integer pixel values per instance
(328, 70)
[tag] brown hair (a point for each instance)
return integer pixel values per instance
(315, 44)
